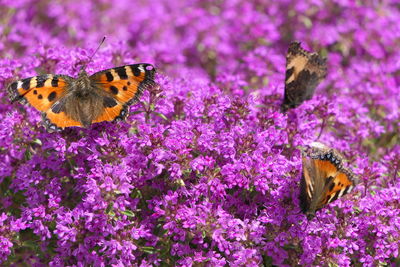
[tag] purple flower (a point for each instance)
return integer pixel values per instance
(206, 169)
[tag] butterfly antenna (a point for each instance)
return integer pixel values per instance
(94, 53)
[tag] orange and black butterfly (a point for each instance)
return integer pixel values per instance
(65, 101)
(304, 71)
(324, 178)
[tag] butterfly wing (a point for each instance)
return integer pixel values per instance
(304, 71)
(44, 93)
(343, 183)
(39, 91)
(123, 86)
(311, 185)
(324, 180)
(56, 121)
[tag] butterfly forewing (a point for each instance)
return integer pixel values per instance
(125, 83)
(342, 184)
(39, 91)
(304, 71)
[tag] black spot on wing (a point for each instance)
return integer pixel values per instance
(135, 70)
(14, 86)
(54, 82)
(121, 73)
(289, 73)
(109, 77)
(329, 180)
(109, 102)
(26, 83)
(114, 90)
(331, 186)
(40, 96)
(52, 96)
(40, 80)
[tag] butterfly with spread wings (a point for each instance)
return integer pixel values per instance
(65, 101)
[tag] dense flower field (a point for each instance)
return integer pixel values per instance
(206, 170)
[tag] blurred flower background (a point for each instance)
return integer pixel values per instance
(205, 171)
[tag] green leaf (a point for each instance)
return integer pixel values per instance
(27, 155)
(149, 250)
(128, 213)
(162, 116)
(37, 141)
(136, 193)
(356, 209)
(180, 182)
(110, 208)
(137, 112)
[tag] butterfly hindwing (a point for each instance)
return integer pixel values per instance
(44, 93)
(117, 112)
(324, 179)
(304, 71)
(58, 121)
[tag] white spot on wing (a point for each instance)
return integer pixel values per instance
(350, 188)
(309, 192)
(342, 191)
(310, 189)
(332, 196)
(141, 68)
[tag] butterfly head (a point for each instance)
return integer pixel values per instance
(82, 71)
(81, 86)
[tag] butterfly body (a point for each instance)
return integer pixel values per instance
(84, 101)
(103, 96)
(324, 178)
(304, 71)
